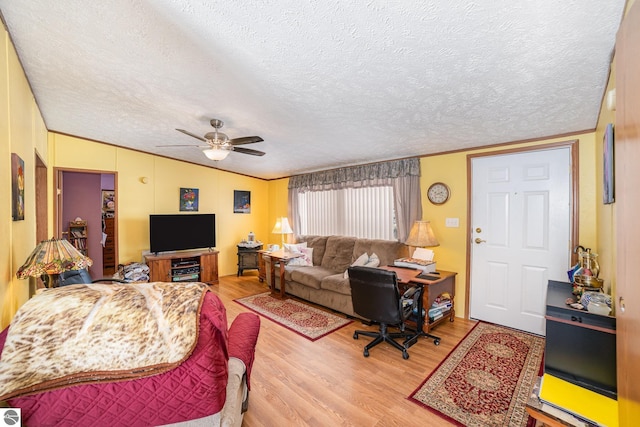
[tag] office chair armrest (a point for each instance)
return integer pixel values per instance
(108, 280)
(409, 292)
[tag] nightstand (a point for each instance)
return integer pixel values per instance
(248, 258)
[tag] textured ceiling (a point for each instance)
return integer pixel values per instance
(325, 83)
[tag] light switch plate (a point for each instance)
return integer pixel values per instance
(452, 222)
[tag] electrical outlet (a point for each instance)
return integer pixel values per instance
(452, 222)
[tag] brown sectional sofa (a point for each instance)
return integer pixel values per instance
(324, 283)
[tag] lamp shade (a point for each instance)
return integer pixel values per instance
(421, 235)
(282, 226)
(53, 256)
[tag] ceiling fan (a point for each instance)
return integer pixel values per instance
(219, 145)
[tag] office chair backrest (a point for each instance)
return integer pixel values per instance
(73, 277)
(375, 295)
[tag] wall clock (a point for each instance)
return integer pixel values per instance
(438, 193)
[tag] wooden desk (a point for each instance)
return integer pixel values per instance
(430, 291)
(548, 420)
(550, 416)
(281, 257)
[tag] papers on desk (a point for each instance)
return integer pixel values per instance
(423, 254)
(422, 259)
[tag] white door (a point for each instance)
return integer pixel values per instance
(521, 219)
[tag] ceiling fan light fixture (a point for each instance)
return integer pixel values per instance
(216, 153)
(217, 137)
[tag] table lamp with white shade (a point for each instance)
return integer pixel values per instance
(282, 227)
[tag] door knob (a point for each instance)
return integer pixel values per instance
(479, 240)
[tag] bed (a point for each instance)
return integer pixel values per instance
(209, 381)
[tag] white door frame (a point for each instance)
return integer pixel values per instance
(573, 149)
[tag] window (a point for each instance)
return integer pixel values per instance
(361, 212)
(375, 200)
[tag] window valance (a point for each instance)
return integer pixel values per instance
(373, 174)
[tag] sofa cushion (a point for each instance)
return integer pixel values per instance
(309, 276)
(318, 243)
(387, 250)
(364, 260)
(336, 283)
(295, 247)
(305, 259)
(339, 253)
(373, 261)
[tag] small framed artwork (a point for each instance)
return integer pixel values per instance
(241, 201)
(17, 187)
(108, 201)
(608, 165)
(189, 199)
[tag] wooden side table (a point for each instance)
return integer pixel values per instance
(262, 269)
(248, 258)
(549, 416)
(281, 257)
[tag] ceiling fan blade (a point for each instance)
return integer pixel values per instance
(191, 134)
(248, 151)
(245, 140)
(183, 145)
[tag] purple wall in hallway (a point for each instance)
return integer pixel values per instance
(82, 198)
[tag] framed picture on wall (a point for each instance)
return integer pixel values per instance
(608, 165)
(241, 201)
(189, 199)
(17, 187)
(108, 200)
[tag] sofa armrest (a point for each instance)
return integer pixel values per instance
(243, 336)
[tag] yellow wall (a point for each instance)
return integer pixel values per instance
(160, 195)
(22, 131)
(605, 214)
(278, 207)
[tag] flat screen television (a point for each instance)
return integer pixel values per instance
(174, 232)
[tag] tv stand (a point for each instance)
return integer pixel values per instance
(190, 266)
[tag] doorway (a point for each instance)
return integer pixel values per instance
(521, 236)
(89, 198)
(41, 208)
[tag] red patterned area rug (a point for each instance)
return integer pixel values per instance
(486, 380)
(299, 317)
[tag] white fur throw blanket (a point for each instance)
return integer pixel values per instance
(99, 332)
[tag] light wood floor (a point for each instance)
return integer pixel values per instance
(329, 382)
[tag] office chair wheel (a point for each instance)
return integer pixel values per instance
(405, 354)
(436, 341)
(355, 335)
(366, 352)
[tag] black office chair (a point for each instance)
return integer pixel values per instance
(73, 277)
(375, 296)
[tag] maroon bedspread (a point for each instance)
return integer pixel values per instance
(195, 389)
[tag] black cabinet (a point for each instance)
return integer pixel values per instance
(248, 258)
(580, 347)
